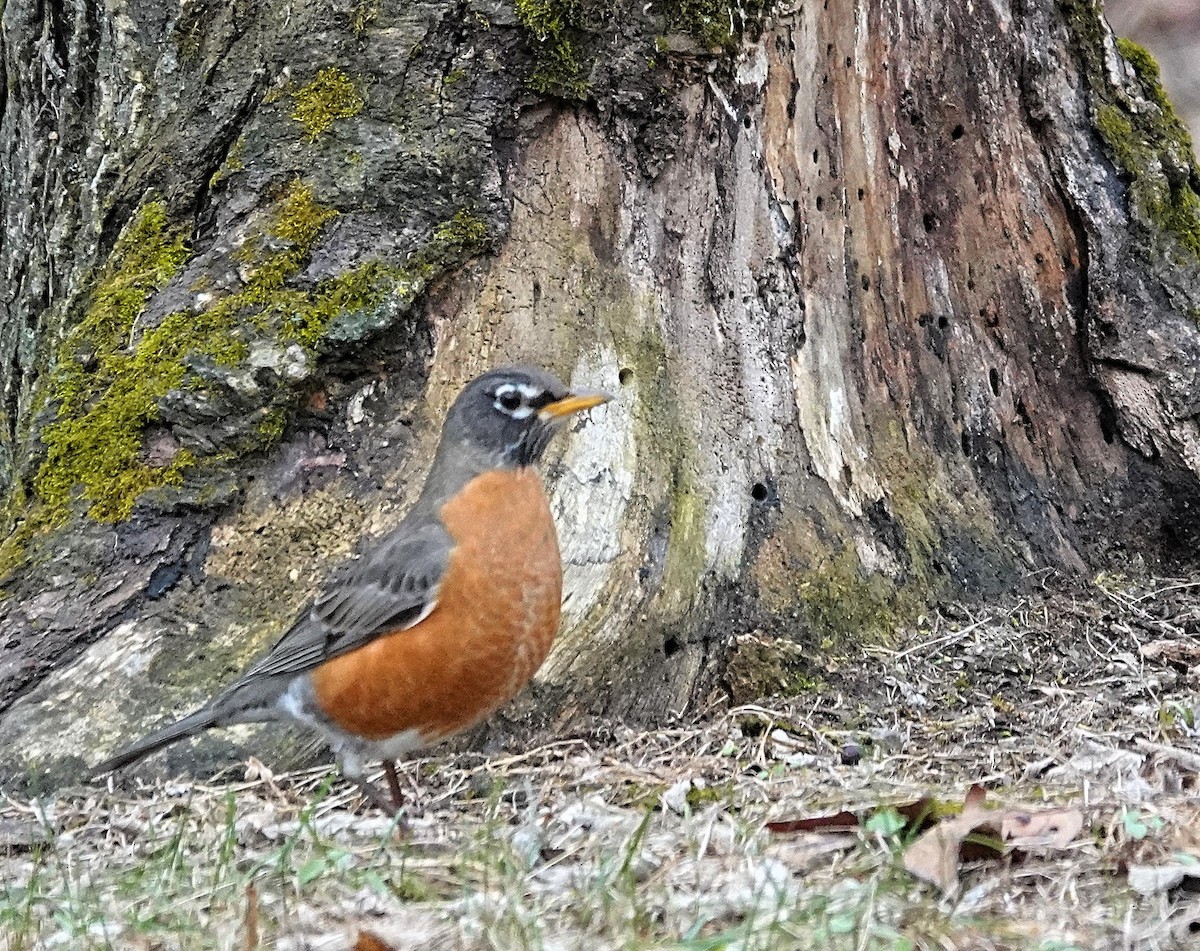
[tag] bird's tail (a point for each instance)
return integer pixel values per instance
(189, 725)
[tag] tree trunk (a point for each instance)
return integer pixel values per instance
(900, 301)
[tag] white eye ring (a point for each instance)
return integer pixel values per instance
(511, 400)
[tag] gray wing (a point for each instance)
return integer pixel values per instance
(391, 587)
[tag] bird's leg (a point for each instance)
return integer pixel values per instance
(389, 768)
(375, 796)
(352, 769)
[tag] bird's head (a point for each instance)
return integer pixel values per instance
(510, 414)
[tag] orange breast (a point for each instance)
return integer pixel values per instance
(496, 617)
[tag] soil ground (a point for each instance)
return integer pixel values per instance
(627, 839)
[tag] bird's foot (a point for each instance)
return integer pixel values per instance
(381, 801)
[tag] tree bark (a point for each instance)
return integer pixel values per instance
(900, 301)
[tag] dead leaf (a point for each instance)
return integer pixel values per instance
(1046, 829)
(804, 854)
(917, 815)
(978, 833)
(1096, 760)
(935, 855)
(838, 822)
(370, 942)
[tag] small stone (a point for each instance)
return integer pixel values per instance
(851, 753)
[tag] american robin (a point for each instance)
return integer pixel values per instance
(439, 622)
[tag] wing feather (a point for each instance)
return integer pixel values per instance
(391, 587)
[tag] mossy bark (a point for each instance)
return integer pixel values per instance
(868, 290)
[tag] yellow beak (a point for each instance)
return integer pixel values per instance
(573, 403)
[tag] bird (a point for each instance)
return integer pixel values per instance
(438, 622)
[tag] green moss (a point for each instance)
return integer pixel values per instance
(463, 234)
(761, 666)
(635, 795)
(915, 488)
(700, 796)
(305, 321)
(304, 317)
(559, 28)
(1144, 137)
(189, 37)
(1147, 69)
(107, 382)
(686, 555)
(272, 425)
(847, 605)
(658, 420)
(233, 163)
(106, 392)
(571, 36)
(1154, 151)
(413, 888)
(266, 301)
(329, 97)
(715, 24)
(299, 218)
(842, 600)
(363, 14)
(14, 550)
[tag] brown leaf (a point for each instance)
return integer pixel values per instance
(934, 856)
(978, 834)
(370, 942)
(839, 822)
(918, 815)
(1047, 829)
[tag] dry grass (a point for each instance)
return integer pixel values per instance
(657, 840)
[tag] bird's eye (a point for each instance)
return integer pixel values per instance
(510, 400)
